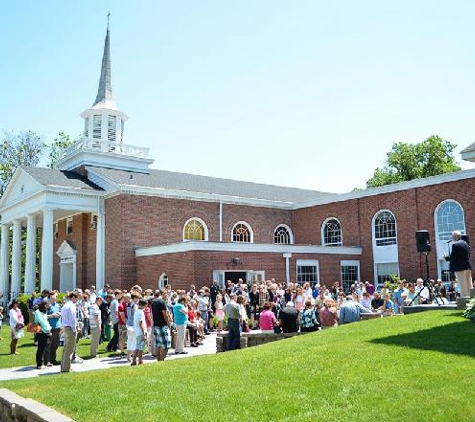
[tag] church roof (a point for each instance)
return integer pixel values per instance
(66, 179)
(168, 180)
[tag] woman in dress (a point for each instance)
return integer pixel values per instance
(219, 311)
(16, 324)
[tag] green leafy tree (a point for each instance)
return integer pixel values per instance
(414, 161)
(57, 147)
(22, 149)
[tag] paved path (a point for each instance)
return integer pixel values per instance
(208, 348)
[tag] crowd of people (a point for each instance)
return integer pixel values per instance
(144, 320)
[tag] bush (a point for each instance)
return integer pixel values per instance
(469, 313)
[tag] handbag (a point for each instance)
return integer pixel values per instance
(33, 328)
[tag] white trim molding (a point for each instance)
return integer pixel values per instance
(190, 246)
(199, 220)
(249, 227)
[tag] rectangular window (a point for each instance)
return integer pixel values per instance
(86, 127)
(350, 272)
(111, 128)
(96, 126)
(93, 222)
(385, 271)
(55, 231)
(69, 225)
(444, 271)
(307, 271)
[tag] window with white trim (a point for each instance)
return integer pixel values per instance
(69, 225)
(163, 281)
(449, 217)
(385, 271)
(86, 127)
(94, 222)
(111, 128)
(331, 232)
(282, 235)
(242, 233)
(385, 229)
(350, 272)
(194, 229)
(307, 271)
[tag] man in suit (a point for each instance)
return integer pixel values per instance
(460, 263)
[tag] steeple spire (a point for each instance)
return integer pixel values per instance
(104, 98)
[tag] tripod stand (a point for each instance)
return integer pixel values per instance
(427, 284)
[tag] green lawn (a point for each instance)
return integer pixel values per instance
(414, 368)
(27, 350)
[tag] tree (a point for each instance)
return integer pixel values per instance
(57, 147)
(415, 161)
(22, 149)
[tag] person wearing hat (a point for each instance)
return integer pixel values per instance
(288, 318)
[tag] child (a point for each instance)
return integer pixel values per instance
(140, 328)
(1, 321)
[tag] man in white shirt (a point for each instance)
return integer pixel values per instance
(95, 324)
(69, 321)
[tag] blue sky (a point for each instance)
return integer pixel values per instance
(308, 94)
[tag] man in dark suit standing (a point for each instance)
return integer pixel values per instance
(460, 263)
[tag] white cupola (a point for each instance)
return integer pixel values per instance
(102, 144)
(104, 121)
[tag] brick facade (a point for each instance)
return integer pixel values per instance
(139, 221)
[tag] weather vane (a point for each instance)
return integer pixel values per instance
(108, 19)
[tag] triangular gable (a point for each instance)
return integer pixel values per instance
(66, 249)
(22, 185)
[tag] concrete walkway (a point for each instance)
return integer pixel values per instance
(208, 348)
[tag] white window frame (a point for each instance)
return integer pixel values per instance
(289, 230)
(249, 227)
(69, 223)
(161, 281)
(376, 281)
(373, 228)
(307, 263)
(442, 247)
(205, 227)
(322, 232)
(350, 263)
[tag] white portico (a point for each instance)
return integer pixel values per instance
(35, 199)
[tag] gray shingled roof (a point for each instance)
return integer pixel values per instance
(163, 179)
(471, 147)
(67, 179)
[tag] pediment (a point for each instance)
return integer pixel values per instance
(66, 249)
(21, 186)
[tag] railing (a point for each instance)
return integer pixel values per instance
(91, 144)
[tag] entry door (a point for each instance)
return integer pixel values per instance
(218, 275)
(253, 276)
(66, 277)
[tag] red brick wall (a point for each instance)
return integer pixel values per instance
(197, 267)
(84, 240)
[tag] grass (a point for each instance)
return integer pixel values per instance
(27, 350)
(418, 367)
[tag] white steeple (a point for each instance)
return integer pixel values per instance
(104, 121)
(102, 144)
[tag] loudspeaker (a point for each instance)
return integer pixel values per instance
(465, 237)
(423, 241)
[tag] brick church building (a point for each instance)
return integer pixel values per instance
(107, 217)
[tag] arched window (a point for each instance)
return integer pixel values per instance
(449, 217)
(385, 229)
(283, 235)
(195, 229)
(242, 232)
(331, 232)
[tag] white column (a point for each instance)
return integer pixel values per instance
(5, 259)
(30, 261)
(47, 251)
(16, 258)
(287, 257)
(100, 251)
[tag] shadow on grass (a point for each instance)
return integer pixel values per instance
(456, 338)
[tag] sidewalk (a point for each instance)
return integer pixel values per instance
(208, 348)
